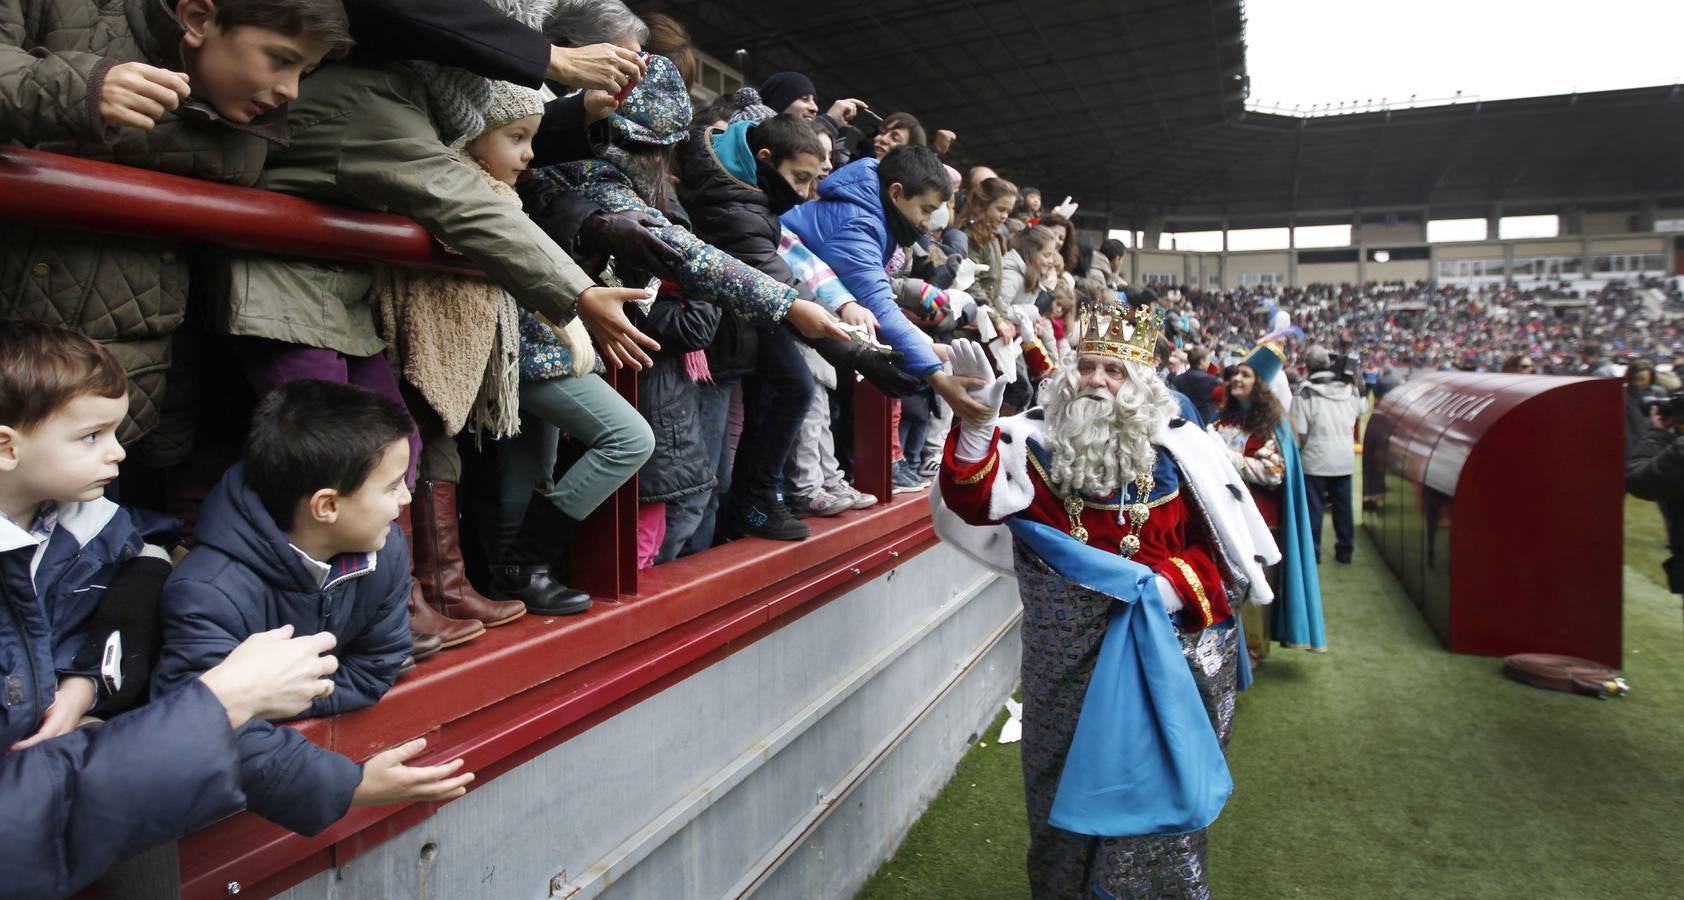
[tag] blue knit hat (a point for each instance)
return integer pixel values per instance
(658, 109)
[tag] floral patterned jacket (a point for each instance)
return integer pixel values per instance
(707, 273)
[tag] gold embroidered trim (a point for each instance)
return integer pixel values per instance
(1164, 499)
(1198, 587)
(981, 473)
(1086, 503)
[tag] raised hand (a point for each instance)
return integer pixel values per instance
(137, 95)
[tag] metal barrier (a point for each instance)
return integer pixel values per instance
(524, 688)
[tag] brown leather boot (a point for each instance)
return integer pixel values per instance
(438, 560)
(426, 623)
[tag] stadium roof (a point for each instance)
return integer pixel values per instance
(1137, 109)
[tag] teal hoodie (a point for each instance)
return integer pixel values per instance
(731, 146)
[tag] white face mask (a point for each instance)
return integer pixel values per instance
(940, 218)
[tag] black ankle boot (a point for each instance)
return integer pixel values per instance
(533, 586)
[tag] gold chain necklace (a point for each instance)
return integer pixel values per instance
(1138, 512)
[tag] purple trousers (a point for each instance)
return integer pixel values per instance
(270, 364)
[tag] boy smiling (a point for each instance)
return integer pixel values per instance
(302, 533)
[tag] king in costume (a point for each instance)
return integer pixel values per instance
(1133, 542)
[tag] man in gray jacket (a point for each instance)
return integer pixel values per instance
(1324, 418)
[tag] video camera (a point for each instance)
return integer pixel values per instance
(1345, 367)
(1670, 405)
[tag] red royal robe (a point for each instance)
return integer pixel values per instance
(1168, 545)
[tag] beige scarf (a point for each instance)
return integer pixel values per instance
(456, 338)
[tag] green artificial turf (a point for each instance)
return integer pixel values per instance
(1391, 768)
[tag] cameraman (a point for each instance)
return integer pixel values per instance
(1641, 395)
(1655, 471)
(1324, 418)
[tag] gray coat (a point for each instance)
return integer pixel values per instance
(1324, 417)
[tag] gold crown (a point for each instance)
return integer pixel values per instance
(1113, 328)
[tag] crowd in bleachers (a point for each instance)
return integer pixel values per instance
(1419, 326)
(219, 465)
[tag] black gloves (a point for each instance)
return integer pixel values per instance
(878, 368)
(626, 237)
(129, 608)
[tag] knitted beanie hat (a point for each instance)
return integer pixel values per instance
(509, 103)
(456, 98)
(747, 107)
(785, 88)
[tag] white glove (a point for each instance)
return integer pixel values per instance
(1172, 599)
(1066, 209)
(970, 361)
(966, 276)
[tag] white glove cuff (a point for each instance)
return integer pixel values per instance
(974, 442)
(1172, 599)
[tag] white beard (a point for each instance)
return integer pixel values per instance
(1097, 441)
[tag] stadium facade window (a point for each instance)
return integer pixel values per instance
(1628, 264)
(1261, 279)
(1669, 225)
(1213, 280)
(1127, 237)
(1200, 241)
(1258, 239)
(1161, 278)
(1442, 230)
(1509, 227)
(1545, 268)
(1470, 268)
(1322, 236)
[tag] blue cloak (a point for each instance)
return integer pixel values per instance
(1297, 619)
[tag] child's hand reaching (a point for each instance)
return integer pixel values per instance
(74, 698)
(137, 95)
(387, 780)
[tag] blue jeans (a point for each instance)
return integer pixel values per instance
(915, 424)
(713, 418)
(617, 440)
(1334, 491)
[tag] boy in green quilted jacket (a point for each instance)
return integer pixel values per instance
(189, 87)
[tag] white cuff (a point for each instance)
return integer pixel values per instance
(1172, 599)
(974, 442)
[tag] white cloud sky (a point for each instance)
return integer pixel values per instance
(1304, 52)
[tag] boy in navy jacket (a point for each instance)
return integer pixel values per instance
(301, 533)
(62, 398)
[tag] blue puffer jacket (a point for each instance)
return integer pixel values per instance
(246, 577)
(848, 229)
(48, 608)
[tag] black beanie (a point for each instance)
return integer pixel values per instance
(785, 88)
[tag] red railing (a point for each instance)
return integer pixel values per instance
(526, 687)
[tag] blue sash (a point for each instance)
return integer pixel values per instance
(1144, 759)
